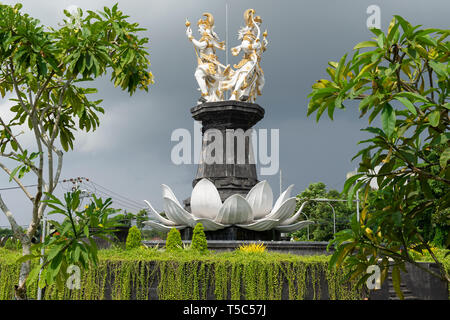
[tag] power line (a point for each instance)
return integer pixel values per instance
(123, 197)
(27, 186)
(126, 203)
(95, 188)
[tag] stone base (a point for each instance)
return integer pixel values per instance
(235, 233)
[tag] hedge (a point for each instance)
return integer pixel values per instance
(156, 274)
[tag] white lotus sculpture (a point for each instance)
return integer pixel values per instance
(254, 212)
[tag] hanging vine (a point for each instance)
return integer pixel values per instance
(145, 274)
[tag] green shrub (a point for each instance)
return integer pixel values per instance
(173, 241)
(10, 244)
(134, 238)
(199, 239)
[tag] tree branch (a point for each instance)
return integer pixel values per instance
(14, 226)
(24, 189)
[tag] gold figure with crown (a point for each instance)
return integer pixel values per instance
(247, 80)
(210, 72)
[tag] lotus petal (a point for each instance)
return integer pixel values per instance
(260, 225)
(168, 193)
(177, 214)
(205, 200)
(210, 225)
(294, 218)
(284, 211)
(160, 227)
(282, 198)
(260, 198)
(158, 216)
(235, 210)
(294, 227)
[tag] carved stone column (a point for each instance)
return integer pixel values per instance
(235, 172)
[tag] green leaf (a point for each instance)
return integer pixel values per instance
(340, 67)
(408, 104)
(426, 189)
(54, 251)
(411, 96)
(25, 258)
(434, 117)
(396, 281)
(445, 156)
(34, 274)
(406, 26)
(393, 32)
(13, 173)
(365, 44)
(350, 181)
(388, 119)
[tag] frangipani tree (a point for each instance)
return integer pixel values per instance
(46, 70)
(403, 79)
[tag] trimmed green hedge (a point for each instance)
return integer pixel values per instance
(135, 274)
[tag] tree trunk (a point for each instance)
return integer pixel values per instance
(20, 290)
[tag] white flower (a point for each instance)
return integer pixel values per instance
(254, 212)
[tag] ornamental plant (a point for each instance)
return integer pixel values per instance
(199, 239)
(134, 238)
(72, 242)
(253, 248)
(173, 241)
(402, 81)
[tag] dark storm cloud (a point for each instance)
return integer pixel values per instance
(130, 152)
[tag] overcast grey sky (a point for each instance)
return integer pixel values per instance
(130, 152)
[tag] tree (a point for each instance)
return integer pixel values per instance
(322, 213)
(5, 232)
(141, 216)
(403, 81)
(46, 71)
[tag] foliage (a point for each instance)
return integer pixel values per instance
(141, 216)
(10, 244)
(405, 81)
(199, 242)
(5, 232)
(321, 213)
(253, 248)
(149, 273)
(134, 238)
(73, 240)
(125, 218)
(45, 72)
(173, 241)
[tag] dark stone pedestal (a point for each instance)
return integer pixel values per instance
(231, 167)
(236, 171)
(234, 233)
